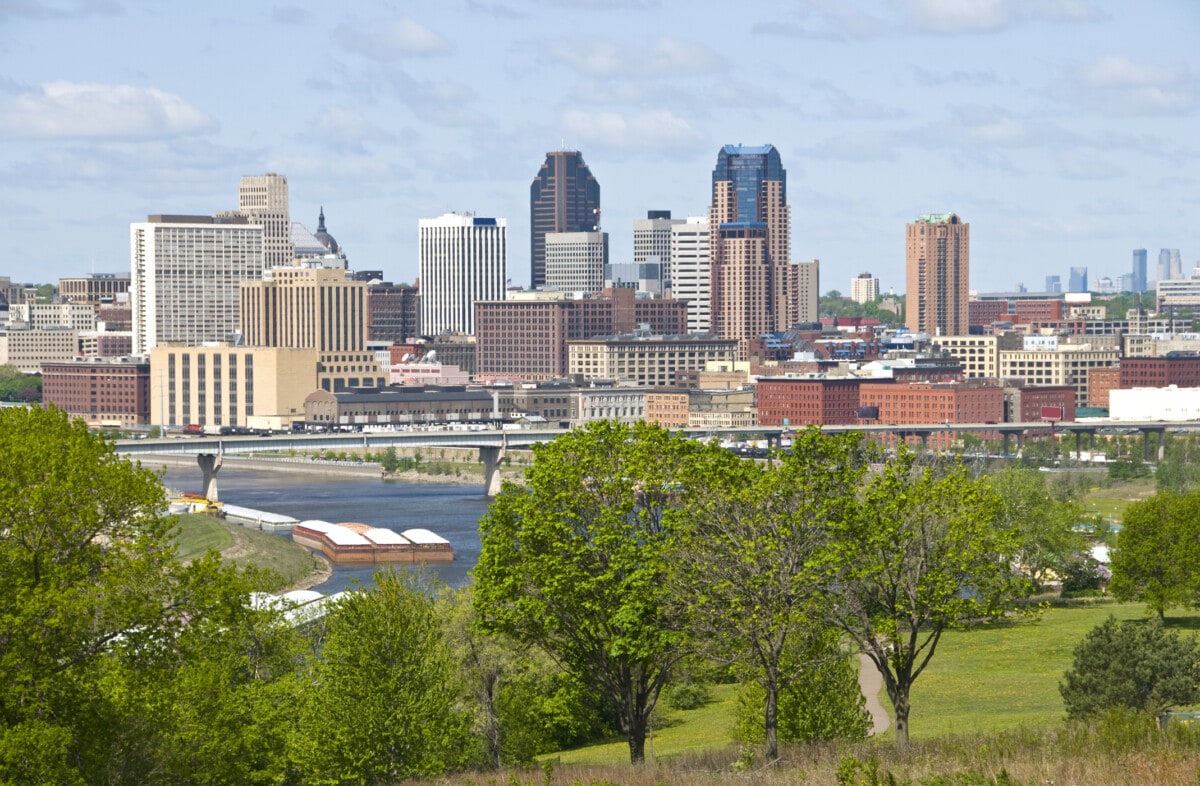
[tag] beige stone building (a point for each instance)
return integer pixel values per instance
(226, 385)
(627, 405)
(979, 355)
(29, 349)
(1066, 365)
(49, 316)
(667, 408)
(314, 307)
(651, 361)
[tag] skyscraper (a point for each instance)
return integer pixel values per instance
(937, 266)
(652, 236)
(1170, 265)
(864, 288)
(575, 261)
(1053, 285)
(750, 245)
(462, 259)
(263, 200)
(1138, 281)
(1078, 281)
(689, 272)
(564, 197)
(185, 274)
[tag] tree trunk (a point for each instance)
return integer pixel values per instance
(900, 705)
(771, 720)
(637, 741)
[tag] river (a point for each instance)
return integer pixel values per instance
(452, 511)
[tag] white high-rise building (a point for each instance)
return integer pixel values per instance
(864, 288)
(652, 236)
(462, 259)
(186, 272)
(689, 271)
(575, 261)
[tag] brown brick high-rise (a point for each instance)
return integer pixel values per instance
(937, 264)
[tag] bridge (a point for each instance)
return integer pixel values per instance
(493, 443)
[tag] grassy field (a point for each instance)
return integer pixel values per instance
(992, 679)
(242, 546)
(1110, 503)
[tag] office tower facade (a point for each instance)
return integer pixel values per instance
(263, 199)
(864, 288)
(463, 259)
(803, 280)
(97, 288)
(314, 307)
(185, 276)
(1170, 265)
(1053, 285)
(750, 245)
(689, 271)
(575, 261)
(937, 269)
(1138, 274)
(393, 312)
(652, 236)
(646, 278)
(564, 197)
(1078, 280)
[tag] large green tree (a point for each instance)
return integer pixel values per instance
(747, 562)
(574, 561)
(382, 704)
(85, 562)
(919, 554)
(15, 385)
(1157, 552)
(1135, 664)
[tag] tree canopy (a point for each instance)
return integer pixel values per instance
(1157, 553)
(574, 562)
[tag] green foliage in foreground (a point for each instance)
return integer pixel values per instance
(1157, 556)
(1134, 664)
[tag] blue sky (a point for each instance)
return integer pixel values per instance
(1064, 131)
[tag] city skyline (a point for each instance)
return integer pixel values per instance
(1069, 155)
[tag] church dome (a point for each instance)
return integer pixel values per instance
(325, 238)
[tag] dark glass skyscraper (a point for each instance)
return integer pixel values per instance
(564, 197)
(1139, 270)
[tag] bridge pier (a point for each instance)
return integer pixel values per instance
(491, 458)
(1146, 432)
(209, 463)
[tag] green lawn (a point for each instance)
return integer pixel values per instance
(197, 534)
(981, 680)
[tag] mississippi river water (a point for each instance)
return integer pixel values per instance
(452, 511)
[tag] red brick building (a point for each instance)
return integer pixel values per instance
(102, 392)
(1024, 403)
(1019, 312)
(1100, 381)
(1180, 370)
(923, 402)
(804, 401)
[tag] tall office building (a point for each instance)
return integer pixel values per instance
(1170, 265)
(264, 200)
(575, 261)
(750, 245)
(1078, 281)
(185, 275)
(313, 307)
(564, 197)
(462, 259)
(937, 271)
(652, 236)
(1053, 285)
(689, 272)
(1138, 280)
(864, 288)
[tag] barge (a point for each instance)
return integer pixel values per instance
(351, 543)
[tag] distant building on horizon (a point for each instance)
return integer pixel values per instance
(1078, 280)
(1170, 265)
(564, 197)
(1138, 275)
(1053, 285)
(864, 288)
(463, 259)
(937, 266)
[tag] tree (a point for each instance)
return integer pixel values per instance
(1045, 524)
(748, 556)
(85, 562)
(1155, 559)
(921, 553)
(16, 385)
(573, 562)
(1135, 664)
(821, 700)
(1179, 469)
(381, 706)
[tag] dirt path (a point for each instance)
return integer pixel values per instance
(871, 682)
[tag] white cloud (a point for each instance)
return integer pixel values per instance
(987, 16)
(656, 131)
(1115, 84)
(391, 39)
(663, 58)
(91, 111)
(33, 9)
(346, 130)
